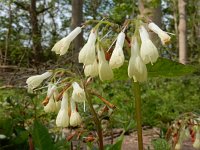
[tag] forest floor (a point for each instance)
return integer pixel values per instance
(16, 79)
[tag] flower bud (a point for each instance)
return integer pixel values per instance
(62, 46)
(35, 81)
(165, 38)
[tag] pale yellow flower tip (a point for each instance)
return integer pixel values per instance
(165, 38)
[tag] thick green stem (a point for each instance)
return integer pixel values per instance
(137, 94)
(96, 120)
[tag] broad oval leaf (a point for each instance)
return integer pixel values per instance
(41, 138)
(162, 68)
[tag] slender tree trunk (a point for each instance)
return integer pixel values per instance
(8, 34)
(77, 18)
(183, 56)
(36, 33)
(154, 14)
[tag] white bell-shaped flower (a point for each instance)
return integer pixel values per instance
(62, 119)
(62, 46)
(148, 51)
(51, 106)
(91, 70)
(75, 118)
(196, 143)
(78, 94)
(35, 81)
(136, 68)
(117, 57)
(105, 71)
(165, 38)
(87, 54)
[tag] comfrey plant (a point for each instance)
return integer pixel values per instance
(65, 91)
(187, 126)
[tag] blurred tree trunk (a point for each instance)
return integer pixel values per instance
(154, 14)
(183, 55)
(8, 33)
(77, 18)
(36, 35)
(36, 32)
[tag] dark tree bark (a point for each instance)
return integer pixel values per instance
(36, 35)
(36, 32)
(77, 18)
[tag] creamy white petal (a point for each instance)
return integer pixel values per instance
(136, 68)
(75, 118)
(117, 57)
(91, 70)
(165, 38)
(148, 51)
(105, 72)
(62, 46)
(35, 81)
(51, 106)
(62, 119)
(87, 54)
(78, 94)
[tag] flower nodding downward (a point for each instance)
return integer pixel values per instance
(75, 118)
(148, 51)
(62, 46)
(35, 81)
(136, 68)
(87, 55)
(165, 38)
(62, 119)
(117, 57)
(105, 71)
(78, 94)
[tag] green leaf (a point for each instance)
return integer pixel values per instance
(41, 137)
(162, 68)
(168, 68)
(117, 145)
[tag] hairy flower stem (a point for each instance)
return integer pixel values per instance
(96, 120)
(137, 94)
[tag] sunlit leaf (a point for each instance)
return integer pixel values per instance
(162, 68)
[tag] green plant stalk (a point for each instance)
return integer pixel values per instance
(96, 120)
(137, 94)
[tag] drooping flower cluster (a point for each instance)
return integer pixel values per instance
(93, 56)
(66, 108)
(186, 127)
